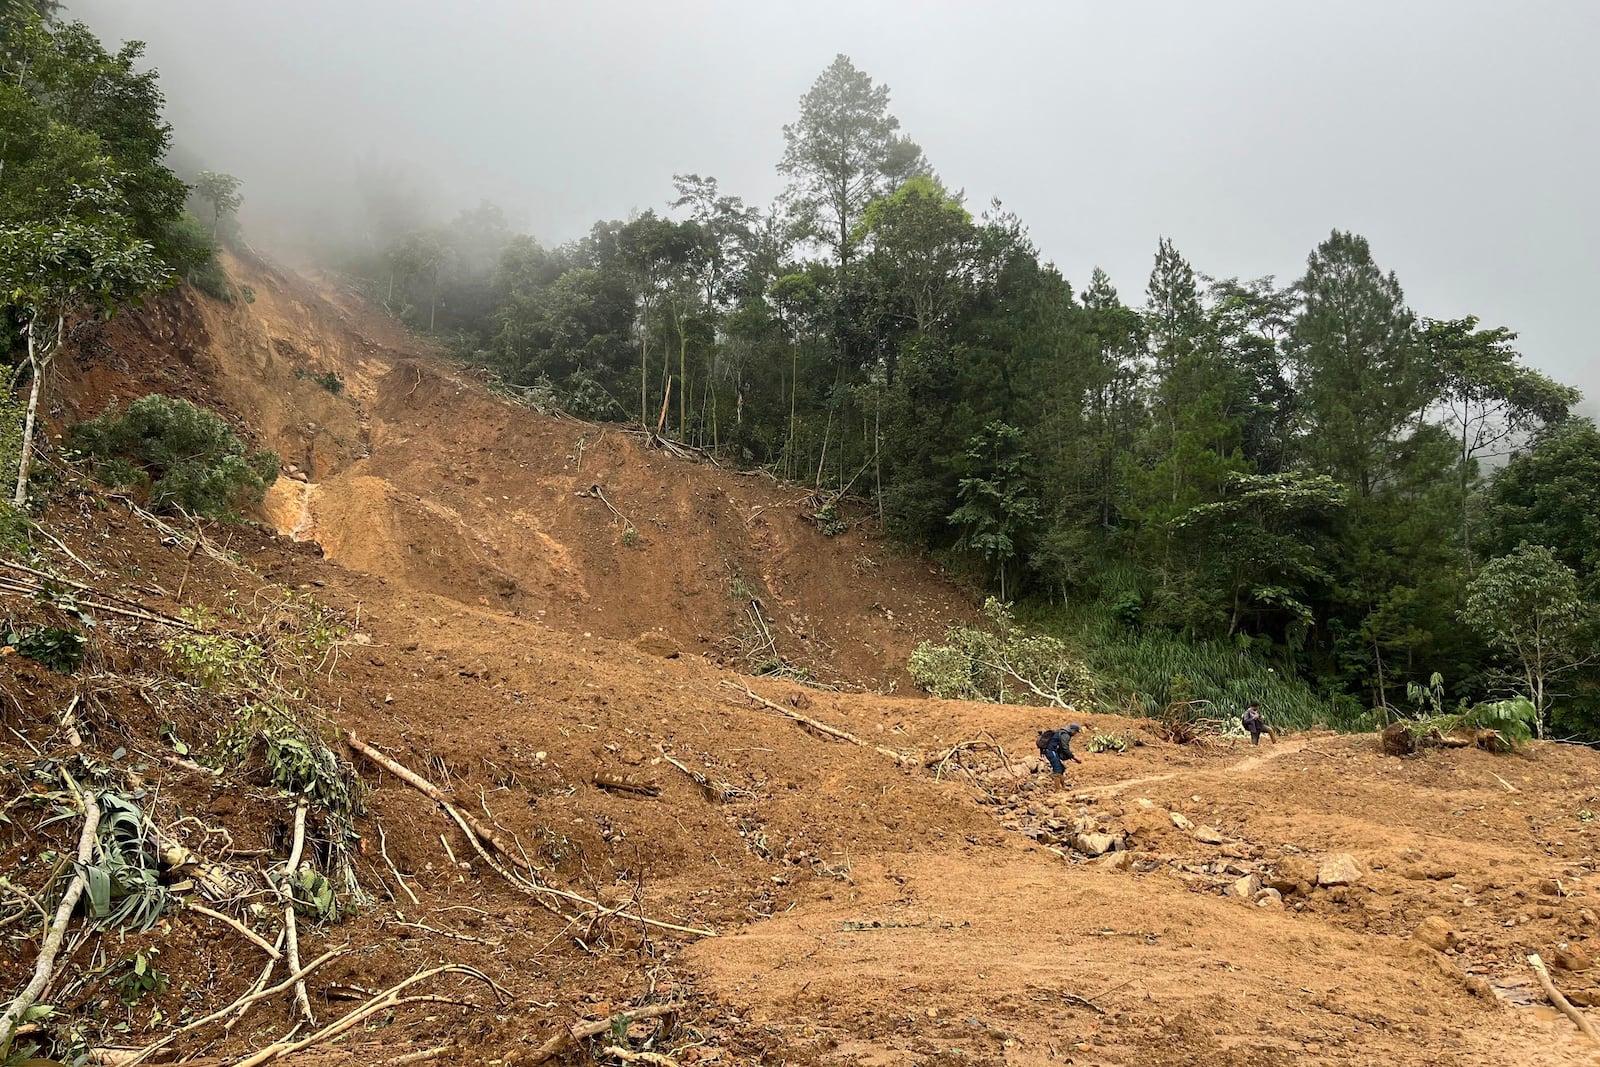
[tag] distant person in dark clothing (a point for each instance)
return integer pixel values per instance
(1056, 746)
(1255, 725)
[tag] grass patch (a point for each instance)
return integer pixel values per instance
(1146, 672)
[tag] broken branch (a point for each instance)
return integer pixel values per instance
(820, 727)
(1561, 1002)
(574, 1034)
(44, 968)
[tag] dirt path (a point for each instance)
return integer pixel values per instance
(1286, 747)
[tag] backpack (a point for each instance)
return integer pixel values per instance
(1046, 741)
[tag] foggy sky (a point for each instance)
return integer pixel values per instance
(1460, 136)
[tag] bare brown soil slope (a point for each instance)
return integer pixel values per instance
(869, 912)
(416, 473)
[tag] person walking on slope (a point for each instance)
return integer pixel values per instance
(1255, 725)
(1056, 746)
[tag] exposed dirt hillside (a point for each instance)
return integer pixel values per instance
(416, 473)
(511, 644)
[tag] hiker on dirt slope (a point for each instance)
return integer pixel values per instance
(1056, 746)
(1255, 725)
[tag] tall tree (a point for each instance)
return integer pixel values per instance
(843, 152)
(1527, 604)
(86, 255)
(1357, 364)
(1490, 399)
(221, 191)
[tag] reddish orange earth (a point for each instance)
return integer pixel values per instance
(511, 639)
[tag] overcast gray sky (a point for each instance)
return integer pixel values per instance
(1460, 136)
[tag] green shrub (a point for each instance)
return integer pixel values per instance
(60, 650)
(187, 456)
(329, 381)
(1008, 664)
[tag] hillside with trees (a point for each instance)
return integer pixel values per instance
(1308, 470)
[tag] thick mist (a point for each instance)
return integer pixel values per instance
(1459, 137)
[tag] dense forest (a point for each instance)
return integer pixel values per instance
(1353, 492)
(1318, 493)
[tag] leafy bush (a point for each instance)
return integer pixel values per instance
(1109, 742)
(60, 650)
(1008, 665)
(187, 455)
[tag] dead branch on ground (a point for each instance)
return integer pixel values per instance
(389, 998)
(476, 834)
(1560, 1002)
(716, 792)
(286, 894)
(619, 784)
(820, 727)
(570, 1036)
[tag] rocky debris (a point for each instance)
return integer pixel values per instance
(1340, 868)
(1571, 958)
(1587, 917)
(1119, 860)
(1091, 844)
(1293, 876)
(1207, 836)
(1269, 898)
(1245, 888)
(1436, 932)
(1182, 822)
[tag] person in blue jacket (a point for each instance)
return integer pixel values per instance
(1056, 746)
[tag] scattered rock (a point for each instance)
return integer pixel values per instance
(1571, 958)
(1584, 998)
(1435, 932)
(1293, 876)
(1549, 887)
(1341, 868)
(1587, 918)
(1245, 888)
(1207, 836)
(1117, 861)
(1096, 844)
(1181, 821)
(1269, 898)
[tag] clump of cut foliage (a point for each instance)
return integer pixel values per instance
(329, 380)
(1006, 664)
(187, 457)
(1499, 725)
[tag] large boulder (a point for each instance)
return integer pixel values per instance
(1338, 869)
(1436, 932)
(1097, 844)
